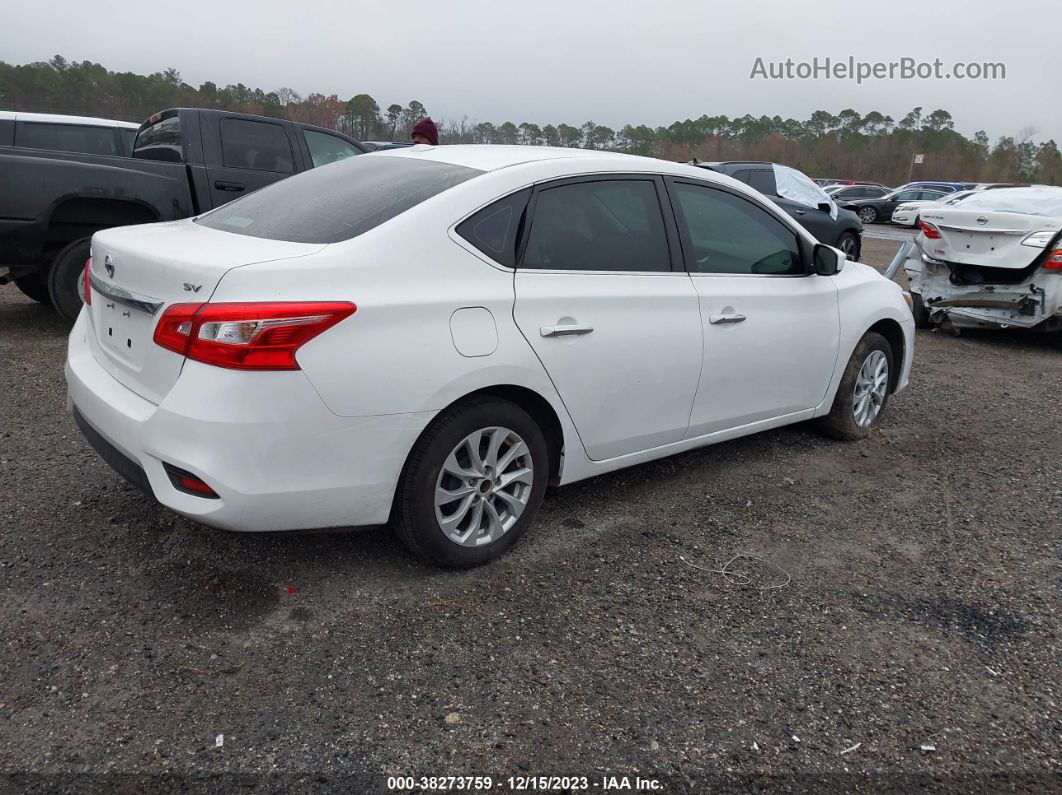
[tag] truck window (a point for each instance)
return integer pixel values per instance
(66, 138)
(325, 148)
(256, 145)
(160, 141)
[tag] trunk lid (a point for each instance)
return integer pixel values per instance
(986, 238)
(137, 272)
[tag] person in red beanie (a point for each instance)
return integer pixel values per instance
(425, 132)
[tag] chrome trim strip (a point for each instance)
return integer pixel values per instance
(115, 293)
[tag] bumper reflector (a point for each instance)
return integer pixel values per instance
(185, 481)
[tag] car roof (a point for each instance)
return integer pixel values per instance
(54, 118)
(492, 157)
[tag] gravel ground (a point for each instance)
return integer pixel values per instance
(921, 609)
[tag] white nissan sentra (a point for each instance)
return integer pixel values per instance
(429, 336)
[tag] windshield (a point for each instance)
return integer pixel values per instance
(338, 201)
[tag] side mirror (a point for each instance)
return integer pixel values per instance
(828, 260)
(825, 207)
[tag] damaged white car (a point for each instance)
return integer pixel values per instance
(993, 261)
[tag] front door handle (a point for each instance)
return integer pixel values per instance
(734, 317)
(564, 331)
(220, 185)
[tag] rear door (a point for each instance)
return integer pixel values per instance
(602, 300)
(243, 155)
(770, 326)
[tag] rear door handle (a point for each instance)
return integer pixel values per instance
(716, 320)
(227, 185)
(564, 331)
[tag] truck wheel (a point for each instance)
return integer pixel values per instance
(32, 287)
(918, 309)
(863, 391)
(64, 278)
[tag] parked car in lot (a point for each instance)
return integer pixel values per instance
(943, 187)
(183, 162)
(84, 134)
(880, 210)
(834, 182)
(431, 335)
(908, 213)
(993, 261)
(841, 193)
(799, 196)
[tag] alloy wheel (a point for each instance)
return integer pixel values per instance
(484, 486)
(871, 387)
(868, 215)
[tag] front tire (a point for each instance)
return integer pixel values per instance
(848, 242)
(868, 215)
(472, 484)
(65, 278)
(863, 391)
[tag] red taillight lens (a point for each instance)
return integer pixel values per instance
(1054, 260)
(251, 336)
(929, 230)
(87, 281)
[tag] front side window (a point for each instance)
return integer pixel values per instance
(325, 148)
(328, 205)
(256, 145)
(160, 141)
(728, 234)
(610, 225)
(67, 138)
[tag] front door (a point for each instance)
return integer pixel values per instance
(615, 326)
(770, 325)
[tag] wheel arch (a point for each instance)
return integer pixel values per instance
(893, 334)
(75, 217)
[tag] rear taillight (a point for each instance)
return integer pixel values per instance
(929, 230)
(86, 275)
(247, 336)
(1054, 260)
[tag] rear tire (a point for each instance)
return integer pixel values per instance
(31, 286)
(921, 314)
(64, 278)
(846, 420)
(483, 523)
(868, 215)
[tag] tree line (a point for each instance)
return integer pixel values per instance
(848, 144)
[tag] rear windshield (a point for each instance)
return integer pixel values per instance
(160, 141)
(338, 201)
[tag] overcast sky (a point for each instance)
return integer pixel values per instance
(545, 61)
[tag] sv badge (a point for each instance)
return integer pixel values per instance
(192, 288)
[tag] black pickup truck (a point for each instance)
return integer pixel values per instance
(184, 162)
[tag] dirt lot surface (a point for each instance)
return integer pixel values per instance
(921, 610)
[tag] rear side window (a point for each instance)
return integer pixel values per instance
(611, 225)
(128, 135)
(256, 145)
(67, 138)
(327, 205)
(160, 141)
(325, 148)
(728, 234)
(494, 229)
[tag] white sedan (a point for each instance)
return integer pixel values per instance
(909, 213)
(430, 335)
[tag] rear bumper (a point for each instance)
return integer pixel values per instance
(265, 442)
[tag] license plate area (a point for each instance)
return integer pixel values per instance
(123, 331)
